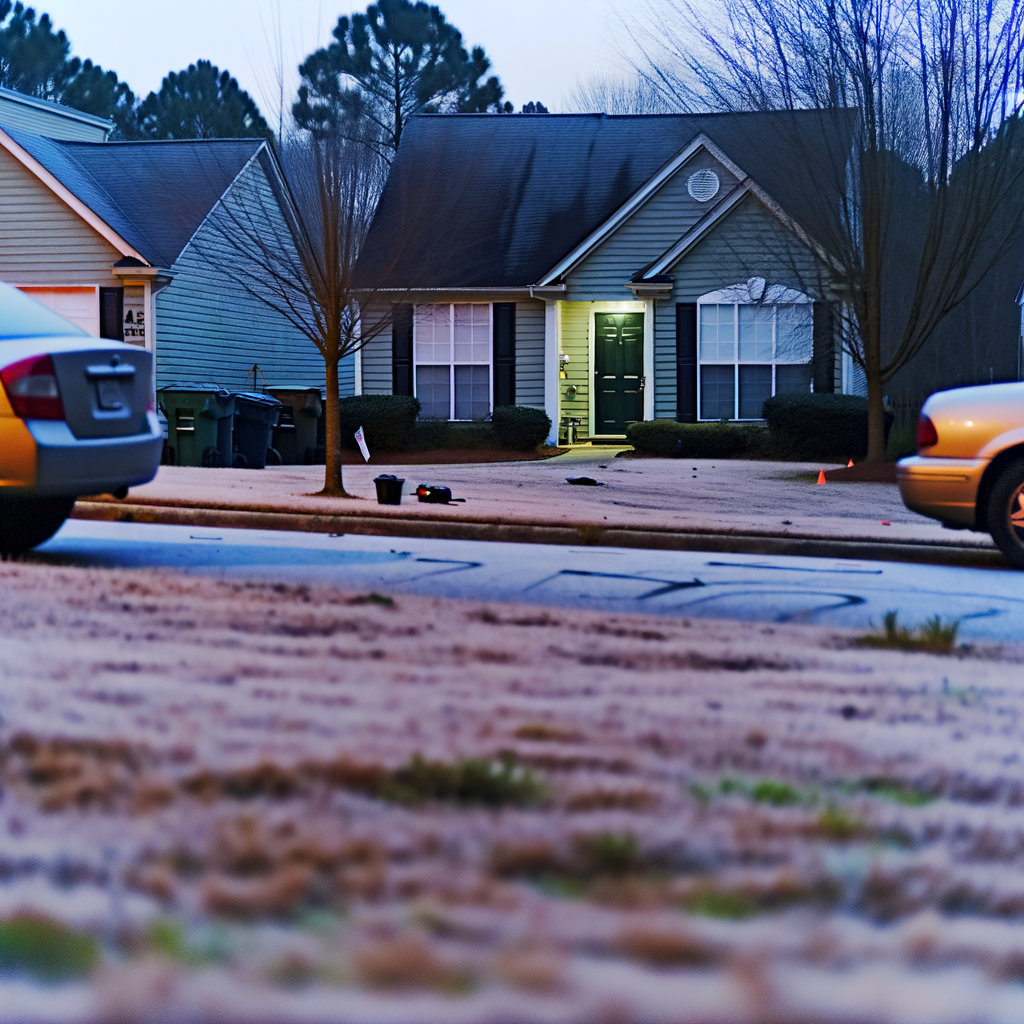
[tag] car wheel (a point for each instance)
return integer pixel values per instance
(27, 520)
(1006, 513)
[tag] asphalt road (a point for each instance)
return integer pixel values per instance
(988, 602)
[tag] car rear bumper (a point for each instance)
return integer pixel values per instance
(944, 489)
(69, 465)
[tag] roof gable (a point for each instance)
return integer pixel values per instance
(152, 195)
(516, 200)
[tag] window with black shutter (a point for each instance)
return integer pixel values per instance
(686, 362)
(504, 353)
(401, 351)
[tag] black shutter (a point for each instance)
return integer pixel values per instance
(824, 364)
(686, 362)
(112, 313)
(504, 353)
(401, 351)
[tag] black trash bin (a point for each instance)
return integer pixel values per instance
(295, 435)
(389, 489)
(255, 418)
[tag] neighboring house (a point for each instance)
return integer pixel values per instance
(52, 119)
(605, 269)
(129, 240)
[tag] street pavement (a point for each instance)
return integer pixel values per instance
(989, 603)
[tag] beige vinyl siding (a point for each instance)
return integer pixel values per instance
(530, 354)
(210, 328)
(649, 232)
(748, 242)
(42, 240)
(575, 343)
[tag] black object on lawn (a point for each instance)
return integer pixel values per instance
(434, 494)
(389, 489)
(583, 481)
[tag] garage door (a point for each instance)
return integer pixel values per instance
(79, 305)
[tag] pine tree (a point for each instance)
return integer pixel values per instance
(201, 102)
(396, 60)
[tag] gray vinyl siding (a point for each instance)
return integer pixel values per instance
(42, 240)
(378, 375)
(209, 328)
(647, 234)
(47, 119)
(530, 354)
(749, 242)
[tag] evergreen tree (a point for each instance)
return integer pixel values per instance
(398, 59)
(37, 61)
(201, 102)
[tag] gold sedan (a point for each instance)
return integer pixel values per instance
(969, 470)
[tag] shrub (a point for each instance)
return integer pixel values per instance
(520, 427)
(666, 439)
(431, 435)
(820, 426)
(45, 949)
(386, 420)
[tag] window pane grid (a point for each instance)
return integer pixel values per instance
(750, 352)
(453, 360)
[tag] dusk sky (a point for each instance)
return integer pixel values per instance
(537, 47)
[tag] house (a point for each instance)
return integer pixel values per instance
(129, 241)
(606, 269)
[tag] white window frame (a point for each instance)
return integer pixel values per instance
(736, 296)
(451, 354)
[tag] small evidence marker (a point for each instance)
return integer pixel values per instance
(821, 476)
(849, 465)
(885, 522)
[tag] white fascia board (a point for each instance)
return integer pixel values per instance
(696, 233)
(631, 205)
(100, 226)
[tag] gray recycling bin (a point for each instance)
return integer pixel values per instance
(256, 416)
(199, 424)
(295, 435)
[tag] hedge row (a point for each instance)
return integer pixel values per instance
(800, 428)
(390, 424)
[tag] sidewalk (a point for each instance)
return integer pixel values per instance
(761, 507)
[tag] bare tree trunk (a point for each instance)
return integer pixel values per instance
(334, 487)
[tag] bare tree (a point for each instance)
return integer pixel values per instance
(618, 93)
(929, 195)
(292, 239)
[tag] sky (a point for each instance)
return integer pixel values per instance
(538, 48)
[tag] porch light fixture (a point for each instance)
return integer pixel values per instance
(703, 185)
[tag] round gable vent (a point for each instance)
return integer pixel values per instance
(703, 185)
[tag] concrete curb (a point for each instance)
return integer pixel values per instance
(752, 543)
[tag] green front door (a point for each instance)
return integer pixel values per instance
(618, 371)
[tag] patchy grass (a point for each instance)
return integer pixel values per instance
(889, 789)
(934, 637)
(374, 598)
(45, 949)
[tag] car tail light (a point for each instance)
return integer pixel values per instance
(31, 387)
(927, 435)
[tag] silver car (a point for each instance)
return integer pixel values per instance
(969, 470)
(77, 416)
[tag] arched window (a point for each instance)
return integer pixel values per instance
(752, 342)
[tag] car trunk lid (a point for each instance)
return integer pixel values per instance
(105, 391)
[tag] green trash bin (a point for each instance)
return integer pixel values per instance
(199, 424)
(295, 436)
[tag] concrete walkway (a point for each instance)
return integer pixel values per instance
(730, 500)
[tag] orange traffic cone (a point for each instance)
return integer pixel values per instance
(849, 465)
(821, 476)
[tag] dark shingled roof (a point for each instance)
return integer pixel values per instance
(153, 194)
(497, 200)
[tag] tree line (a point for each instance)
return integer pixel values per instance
(398, 59)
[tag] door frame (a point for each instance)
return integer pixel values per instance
(647, 308)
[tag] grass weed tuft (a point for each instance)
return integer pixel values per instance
(934, 637)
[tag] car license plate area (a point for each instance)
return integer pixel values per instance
(109, 396)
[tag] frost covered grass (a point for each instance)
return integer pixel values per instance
(305, 799)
